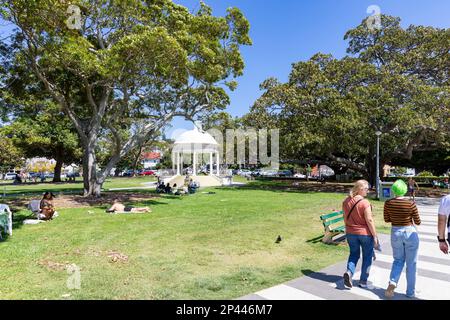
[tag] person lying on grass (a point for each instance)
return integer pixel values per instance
(119, 207)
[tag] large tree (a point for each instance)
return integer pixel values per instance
(48, 135)
(10, 156)
(395, 81)
(126, 66)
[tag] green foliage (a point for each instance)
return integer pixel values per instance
(425, 174)
(400, 171)
(46, 135)
(131, 67)
(10, 156)
(330, 109)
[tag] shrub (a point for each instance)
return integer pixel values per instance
(425, 174)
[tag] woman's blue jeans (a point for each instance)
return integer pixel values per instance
(405, 246)
(356, 243)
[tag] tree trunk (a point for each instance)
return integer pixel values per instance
(92, 186)
(136, 160)
(58, 167)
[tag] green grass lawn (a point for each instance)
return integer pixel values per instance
(74, 187)
(204, 246)
(240, 179)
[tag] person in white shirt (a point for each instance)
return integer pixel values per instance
(444, 223)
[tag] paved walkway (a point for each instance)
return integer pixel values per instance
(433, 278)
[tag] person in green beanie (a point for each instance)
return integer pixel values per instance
(402, 213)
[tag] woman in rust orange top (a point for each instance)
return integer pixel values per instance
(360, 231)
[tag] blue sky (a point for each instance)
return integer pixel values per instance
(288, 31)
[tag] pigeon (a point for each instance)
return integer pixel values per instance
(278, 239)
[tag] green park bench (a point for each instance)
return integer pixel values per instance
(333, 224)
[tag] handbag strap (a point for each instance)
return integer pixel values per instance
(354, 206)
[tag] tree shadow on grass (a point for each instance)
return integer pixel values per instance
(20, 211)
(290, 187)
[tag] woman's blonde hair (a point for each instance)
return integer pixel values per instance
(360, 184)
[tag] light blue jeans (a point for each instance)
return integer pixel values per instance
(405, 247)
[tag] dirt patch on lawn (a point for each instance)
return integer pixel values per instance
(78, 201)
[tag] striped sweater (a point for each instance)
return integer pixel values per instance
(401, 212)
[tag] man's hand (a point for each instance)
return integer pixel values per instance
(443, 246)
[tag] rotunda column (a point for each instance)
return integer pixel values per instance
(218, 164)
(194, 165)
(211, 164)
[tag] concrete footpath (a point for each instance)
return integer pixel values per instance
(433, 276)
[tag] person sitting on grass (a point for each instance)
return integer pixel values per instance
(47, 208)
(168, 188)
(175, 190)
(192, 186)
(119, 207)
(178, 191)
(161, 188)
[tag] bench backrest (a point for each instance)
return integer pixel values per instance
(34, 205)
(332, 218)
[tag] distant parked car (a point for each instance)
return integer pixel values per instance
(73, 175)
(147, 173)
(269, 173)
(130, 173)
(299, 175)
(256, 173)
(284, 173)
(244, 173)
(10, 176)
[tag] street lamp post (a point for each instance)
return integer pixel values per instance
(378, 133)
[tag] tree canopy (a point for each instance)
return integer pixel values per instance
(46, 134)
(124, 69)
(10, 155)
(394, 81)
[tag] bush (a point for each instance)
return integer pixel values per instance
(287, 166)
(425, 174)
(419, 179)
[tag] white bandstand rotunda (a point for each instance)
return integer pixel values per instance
(197, 147)
(195, 143)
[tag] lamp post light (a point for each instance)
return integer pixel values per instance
(378, 133)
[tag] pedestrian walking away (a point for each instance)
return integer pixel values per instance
(360, 232)
(403, 215)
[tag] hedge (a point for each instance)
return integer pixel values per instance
(427, 179)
